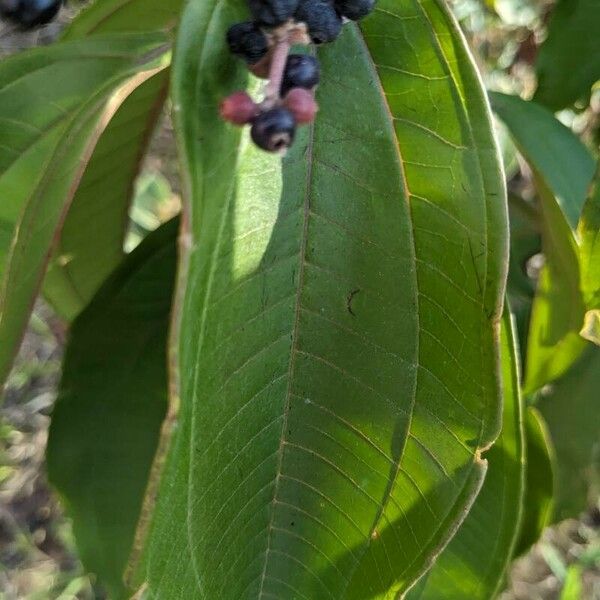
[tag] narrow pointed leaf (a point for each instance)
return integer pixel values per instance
(568, 63)
(474, 563)
(91, 240)
(73, 90)
(558, 310)
(563, 170)
(111, 403)
(338, 336)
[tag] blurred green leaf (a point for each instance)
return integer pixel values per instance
(337, 365)
(71, 91)
(92, 238)
(570, 409)
(111, 403)
(589, 236)
(473, 565)
(539, 483)
(568, 63)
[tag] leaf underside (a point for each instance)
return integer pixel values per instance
(337, 348)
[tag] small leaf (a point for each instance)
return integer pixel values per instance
(539, 485)
(473, 565)
(72, 91)
(112, 401)
(337, 354)
(570, 409)
(568, 63)
(573, 587)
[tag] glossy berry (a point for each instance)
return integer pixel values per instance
(271, 13)
(238, 108)
(354, 9)
(274, 130)
(321, 20)
(302, 105)
(30, 13)
(248, 41)
(301, 71)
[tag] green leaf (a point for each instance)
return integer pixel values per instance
(112, 401)
(91, 241)
(563, 170)
(338, 336)
(473, 565)
(55, 103)
(539, 485)
(568, 63)
(552, 150)
(570, 409)
(558, 310)
(589, 256)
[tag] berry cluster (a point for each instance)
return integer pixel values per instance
(264, 44)
(29, 13)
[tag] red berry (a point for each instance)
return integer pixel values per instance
(301, 104)
(238, 108)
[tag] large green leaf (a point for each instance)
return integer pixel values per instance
(91, 240)
(569, 60)
(563, 170)
(55, 102)
(539, 485)
(570, 409)
(111, 403)
(474, 563)
(589, 235)
(338, 333)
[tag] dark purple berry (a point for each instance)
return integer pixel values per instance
(301, 71)
(274, 130)
(248, 41)
(30, 13)
(271, 13)
(354, 9)
(322, 22)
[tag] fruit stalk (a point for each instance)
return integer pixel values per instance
(276, 71)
